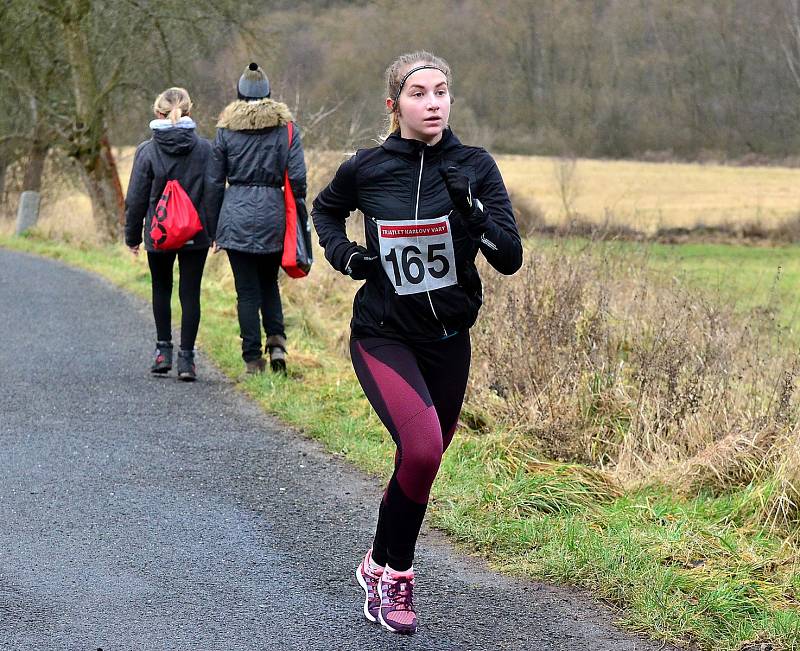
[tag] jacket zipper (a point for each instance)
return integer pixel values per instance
(416, 218)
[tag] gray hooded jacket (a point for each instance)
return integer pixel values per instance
(252, 152)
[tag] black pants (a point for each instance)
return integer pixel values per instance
(256, 279)
(190, 265)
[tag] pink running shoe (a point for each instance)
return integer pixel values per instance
(368, 579)
(397, 602)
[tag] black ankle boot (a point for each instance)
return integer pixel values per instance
(186, 368)
(163, 358)
(255, 366)
(276, 345)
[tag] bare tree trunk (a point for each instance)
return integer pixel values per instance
(4, 163)
(101, 179)
(791, 44)
(10, 152)
(92, 151)
(32, 181)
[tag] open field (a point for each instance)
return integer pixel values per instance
(643, 196)
(747, 277)
(648, 196)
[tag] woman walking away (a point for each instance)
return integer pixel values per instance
(430, 204)
(174, 152)
(252, 151)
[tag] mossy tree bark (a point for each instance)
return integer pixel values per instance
(90, 146)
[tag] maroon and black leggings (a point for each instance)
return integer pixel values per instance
(417, 391)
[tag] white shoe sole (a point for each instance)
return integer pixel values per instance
(389, 628)
(363, 584)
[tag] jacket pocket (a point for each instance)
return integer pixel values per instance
(457, 306)
(470, 281)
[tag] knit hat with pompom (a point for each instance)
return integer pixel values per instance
(253, 84)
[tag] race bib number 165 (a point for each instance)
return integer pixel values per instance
(417, 256)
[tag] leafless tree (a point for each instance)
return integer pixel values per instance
(565, 170)
(93, 53)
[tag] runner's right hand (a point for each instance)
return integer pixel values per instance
(361, 264)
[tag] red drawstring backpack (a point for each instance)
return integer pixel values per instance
(175, 221)
(296, 260)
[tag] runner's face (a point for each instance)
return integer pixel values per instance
(424, 106)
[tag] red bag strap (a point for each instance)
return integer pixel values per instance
(291, 133)
(287, 187)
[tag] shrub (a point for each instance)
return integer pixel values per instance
(596, 359)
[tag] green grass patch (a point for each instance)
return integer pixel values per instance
(749, 277)
(682, 569)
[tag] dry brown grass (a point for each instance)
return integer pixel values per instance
(735, 460)
(781, 507)
(648, 196)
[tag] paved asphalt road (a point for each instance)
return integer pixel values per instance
(144, 513)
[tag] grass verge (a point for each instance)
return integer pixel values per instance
(684, 570)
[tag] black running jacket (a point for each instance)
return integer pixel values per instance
(400, 180)
(181, 155)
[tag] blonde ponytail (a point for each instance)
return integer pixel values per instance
(175, 114)
(173, 104)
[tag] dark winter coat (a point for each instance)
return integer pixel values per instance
(183, 156)
(252, 152)
(387, 183)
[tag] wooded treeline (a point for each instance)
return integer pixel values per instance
(606, 78)
(609, 78)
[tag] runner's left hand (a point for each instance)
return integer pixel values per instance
(458, 187)
(457, 184)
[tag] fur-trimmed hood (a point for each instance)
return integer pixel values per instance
(243, 116)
